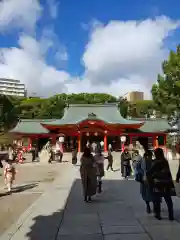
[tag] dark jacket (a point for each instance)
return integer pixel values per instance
(110, 158)
(125, 163)
(160, 178)
(178, 174)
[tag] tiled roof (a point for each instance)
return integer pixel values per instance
(108, 113)
(30, 127)
(155, 125)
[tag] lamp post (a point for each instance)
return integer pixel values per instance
(123, 140)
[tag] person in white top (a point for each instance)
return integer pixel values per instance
(99, 159)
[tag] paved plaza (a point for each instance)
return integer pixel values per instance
(117, 214)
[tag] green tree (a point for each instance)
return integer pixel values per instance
(166, 92)
(123, 106)
(144, 108)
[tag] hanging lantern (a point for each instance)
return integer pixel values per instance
(61, 139)
(95, 133)
(123, 139)
(105, 131)
(87, 134)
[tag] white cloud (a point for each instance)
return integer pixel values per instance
(127, 54)
(53, 8)
(61, 56)
(27, 63)
(120, 56)
(19, 13)
(94, 23)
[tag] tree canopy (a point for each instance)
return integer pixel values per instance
(166, 92)
(53, 107)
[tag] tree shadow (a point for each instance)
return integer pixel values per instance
(77, 219)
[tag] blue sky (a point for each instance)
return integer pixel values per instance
(71, 27)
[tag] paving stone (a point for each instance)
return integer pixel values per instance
(164, 232)
(118, 221)
(151, 221)
(122, 230)
(116, 214)
(79, 230)
(81, 219)
(81, 237)
(127, 237)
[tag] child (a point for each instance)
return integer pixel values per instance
(110, 160)
(9, 174)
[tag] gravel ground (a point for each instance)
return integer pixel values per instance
(31, 181)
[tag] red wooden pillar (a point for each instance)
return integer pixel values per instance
(105, 143)
(155, 141)
(53, 139)
(165, 139)
(29, 143)
(79, 143)
(130, 139)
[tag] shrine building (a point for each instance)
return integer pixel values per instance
(84, 123)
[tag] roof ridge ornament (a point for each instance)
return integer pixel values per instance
(92, 115)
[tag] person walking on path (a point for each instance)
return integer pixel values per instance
(94, 146)
(136, 158)
(33, 151)
(145, 189)
(74, 156)
(110, 161)
(88, 175)
(61, 152)
(125, 164)
(110, 147)
(9, 174)
(99, 159)
(160, 178)
(178, 174)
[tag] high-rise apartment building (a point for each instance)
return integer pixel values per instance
(134, 96)
(12, 87)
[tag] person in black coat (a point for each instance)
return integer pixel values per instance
(74, 156)
(125, 163)
(1, 165)
(160, 178)
(110, 160)
(178, 174)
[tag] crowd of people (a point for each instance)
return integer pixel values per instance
(152, 172)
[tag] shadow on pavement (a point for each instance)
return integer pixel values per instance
(120, 203)
(23, 188)
(4, 194)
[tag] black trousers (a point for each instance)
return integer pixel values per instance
(169, 203)
(60, 157)
(178, 174)
(110, 166)
(33, 155)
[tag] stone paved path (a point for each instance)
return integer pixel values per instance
(117, 214)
